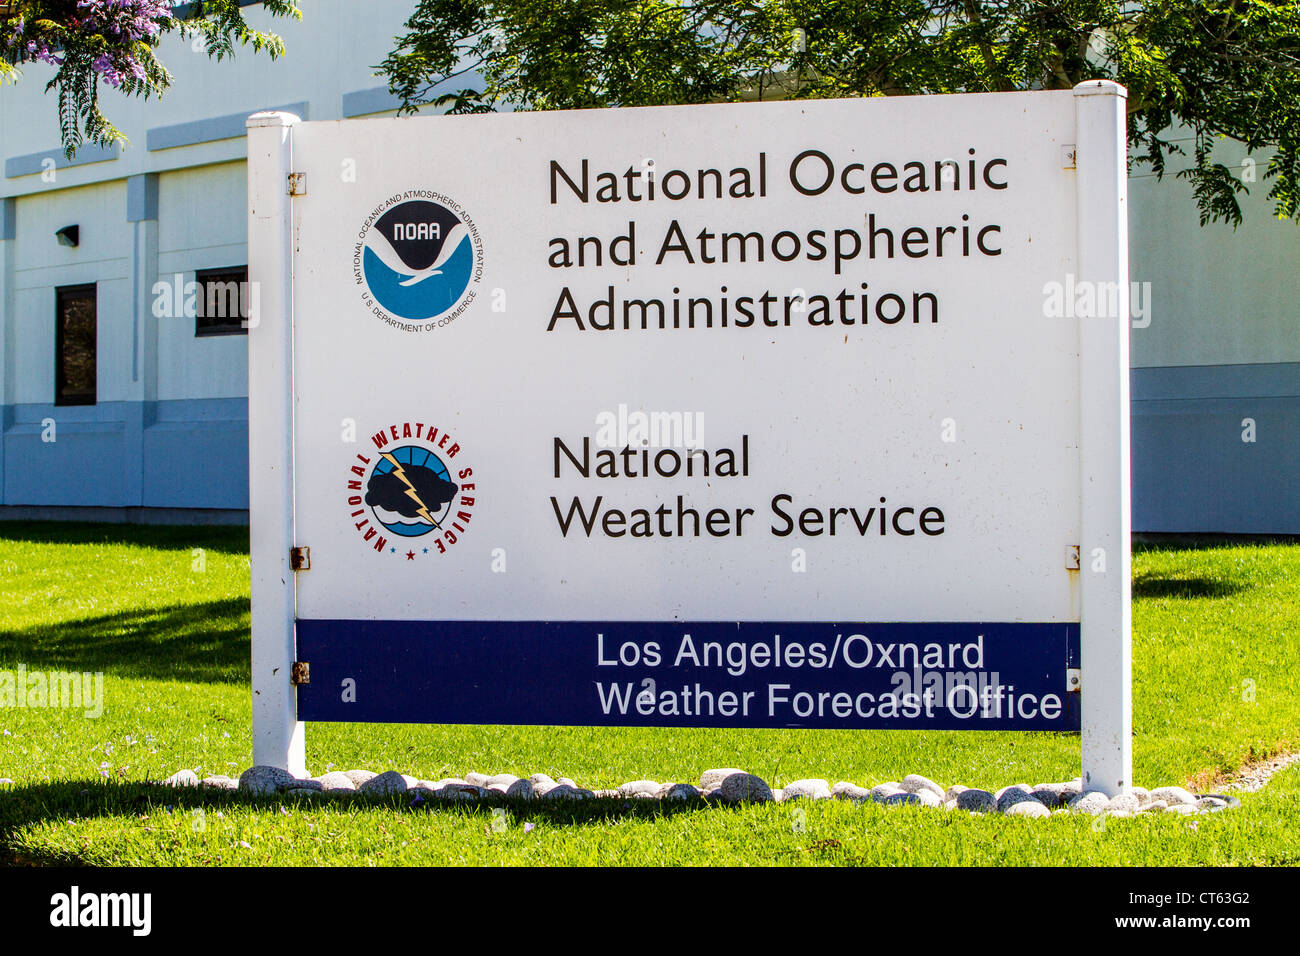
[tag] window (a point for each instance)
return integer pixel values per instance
(75, 345)
(221, 305)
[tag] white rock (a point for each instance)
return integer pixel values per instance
(541, 778)
(851, 792)
(1090, 801)
(220, 782)
(182, 778)
(914, 783)
(1127, 802)
(1028, 808)
(502, 779)
(1184, 808)
(631, 789)
(566, 782)
(811, 789)
(882, 790)
(929, 798)
(477, 779)
(1143, 795)
(358, 777)
(1173, 795)
(336, 780)
(712, 779)
(952, 792)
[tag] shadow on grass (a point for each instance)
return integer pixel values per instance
(222, 538)
(207, 642)
(35, 804)
(1158, 586)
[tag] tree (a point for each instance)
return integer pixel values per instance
(115, 41)
(1224, 68)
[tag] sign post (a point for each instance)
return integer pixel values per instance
(760, 415)
(1102, 161)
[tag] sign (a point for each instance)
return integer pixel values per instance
(751, 415)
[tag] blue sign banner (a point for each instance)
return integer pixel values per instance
(905, 676)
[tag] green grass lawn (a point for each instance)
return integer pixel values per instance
(1216, 685)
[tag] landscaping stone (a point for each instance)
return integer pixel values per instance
(712, 779)
(1185, 809)
(678, 791)
(952, 792)
(336, 781)
(914, 783)
(649, 788)
(1010, 796)
(1125, 801)
(852, 792)
(388, 782)
(928, 798)
(182, 778)
(220, 782)
(744, 787)
(1173, 795)
(882, 790)
(902, 798)
(520, 790)
(1211, 803)
(358, 777)
(1091, 801)
(541, 778)
(810, 789)
(501, 779)
(1028, 808)
(263, 781)
(977, 801)
(477, 779)
(1049, 795)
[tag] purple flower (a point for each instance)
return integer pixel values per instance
(528, 828)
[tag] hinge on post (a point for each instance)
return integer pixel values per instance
(297, 184)
(300, 673)
(1072, 557)
(300, 559)
(1073, 680)
(1067, 156)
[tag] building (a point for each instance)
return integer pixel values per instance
(117, 401)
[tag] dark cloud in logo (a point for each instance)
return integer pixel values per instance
(416, 231)
(390, 492)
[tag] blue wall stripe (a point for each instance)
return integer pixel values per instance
(230, 126)
(8, 218)
(30, 163)
(1215, 381)
(374, 100)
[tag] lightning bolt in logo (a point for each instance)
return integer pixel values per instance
(410, 489)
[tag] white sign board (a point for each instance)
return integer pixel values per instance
(785, 414)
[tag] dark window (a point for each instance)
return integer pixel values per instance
(221, 304)
(75, 346)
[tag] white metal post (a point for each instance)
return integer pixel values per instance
(1106, 660)
(277, 733)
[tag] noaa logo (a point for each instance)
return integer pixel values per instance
(418, 258)
(412, 486)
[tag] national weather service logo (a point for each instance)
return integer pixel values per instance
(418, 259)
(414, 485)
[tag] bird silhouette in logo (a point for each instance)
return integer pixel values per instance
(382, 247)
